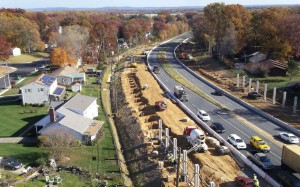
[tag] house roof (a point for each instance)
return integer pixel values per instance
(276, 64)
(43, 79)
(80, 102)
(64, 70)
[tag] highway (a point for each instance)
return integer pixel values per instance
(261, 127)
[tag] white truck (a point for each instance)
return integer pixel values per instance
(180, 93)
(196, 138)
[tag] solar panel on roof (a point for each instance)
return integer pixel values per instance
(58, 91)
(48, 79)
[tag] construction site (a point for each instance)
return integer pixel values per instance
(139, 103)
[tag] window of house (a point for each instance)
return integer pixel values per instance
(40, 89)
(28, 90)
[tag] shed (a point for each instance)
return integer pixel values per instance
(16, 51)
(76, 87)
(276, 68)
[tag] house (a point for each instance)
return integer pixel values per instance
(68, 75)
(276, 68)
(257, 57)
(75, 118)
(16, 51)
(42, 90)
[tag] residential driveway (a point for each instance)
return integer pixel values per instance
(23, 140)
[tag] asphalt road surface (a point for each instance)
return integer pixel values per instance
(232, 125)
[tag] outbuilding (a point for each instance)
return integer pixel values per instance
(16, 51)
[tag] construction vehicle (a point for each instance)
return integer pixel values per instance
(156, 70)
(180, 93)
(290, 155)
(223, 150)
(161, 105)
(133, 64)
(196, 138)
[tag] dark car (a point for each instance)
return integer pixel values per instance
(244, 181)
(218, 127)
(254, 95)
(11, 163)
(219, 92)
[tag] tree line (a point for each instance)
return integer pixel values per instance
(233, 29)
(83, 34)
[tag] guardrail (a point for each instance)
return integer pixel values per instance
(260, 172)
(244, 104)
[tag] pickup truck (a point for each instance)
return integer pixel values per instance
(261, 160)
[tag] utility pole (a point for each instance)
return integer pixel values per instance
(178, 167)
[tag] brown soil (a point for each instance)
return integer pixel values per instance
(219, 75)
(220, 169)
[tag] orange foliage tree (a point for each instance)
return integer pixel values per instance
(59, 57)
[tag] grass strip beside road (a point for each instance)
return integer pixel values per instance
(180, 79)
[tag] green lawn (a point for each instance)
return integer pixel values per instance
(14, 117)
(27, 57)
(27, 154)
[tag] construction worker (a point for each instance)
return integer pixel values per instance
(255, 181)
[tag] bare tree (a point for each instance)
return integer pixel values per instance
(58, 142)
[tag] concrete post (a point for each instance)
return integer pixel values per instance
(175, 148)
(184, 166)
(160, 130)
(295, 104)
(250, 84)
(274, 95)
(244, 80)
(212, 184)
(283, 100)
(265, 91)
(257, 86)
(167, 140)
(196, 175)
(238, 80)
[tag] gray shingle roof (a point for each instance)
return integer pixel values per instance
(80, 102)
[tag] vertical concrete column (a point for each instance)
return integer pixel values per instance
(212, 184)
(283, 100)
(250, 84)
(167, 140)
(160, 130)
(295, 104)
(244, 80)
(238, 80)
(274, 95)
(184, 166)
(265, 91)
(175, 148)
(257, 86)
(196, 175)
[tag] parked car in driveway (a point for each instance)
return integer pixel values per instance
(236, 141)
(203, 115)
(244, 181)
(289, 137)
(11, 163)
(218, 127)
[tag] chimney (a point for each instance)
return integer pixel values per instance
(52, 114)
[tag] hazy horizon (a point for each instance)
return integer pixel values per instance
(34, 4)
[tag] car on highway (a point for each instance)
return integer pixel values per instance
(219, 92)
(11, 163)
(261, 160)
(203, 115)
(236, 141)
(218, 127)
(244, 181)
(259, 144)
(289, 137)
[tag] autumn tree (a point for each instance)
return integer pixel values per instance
(59, 57)
(5, 48)
(58, 143)
(293, 69)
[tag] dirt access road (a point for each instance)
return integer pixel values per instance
(221, 169)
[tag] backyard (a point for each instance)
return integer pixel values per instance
(27, 57)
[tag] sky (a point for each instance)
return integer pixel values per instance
(27, 4)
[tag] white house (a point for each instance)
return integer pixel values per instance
(16, 51)
(73, 118)
(41, 90)
(68, 75)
